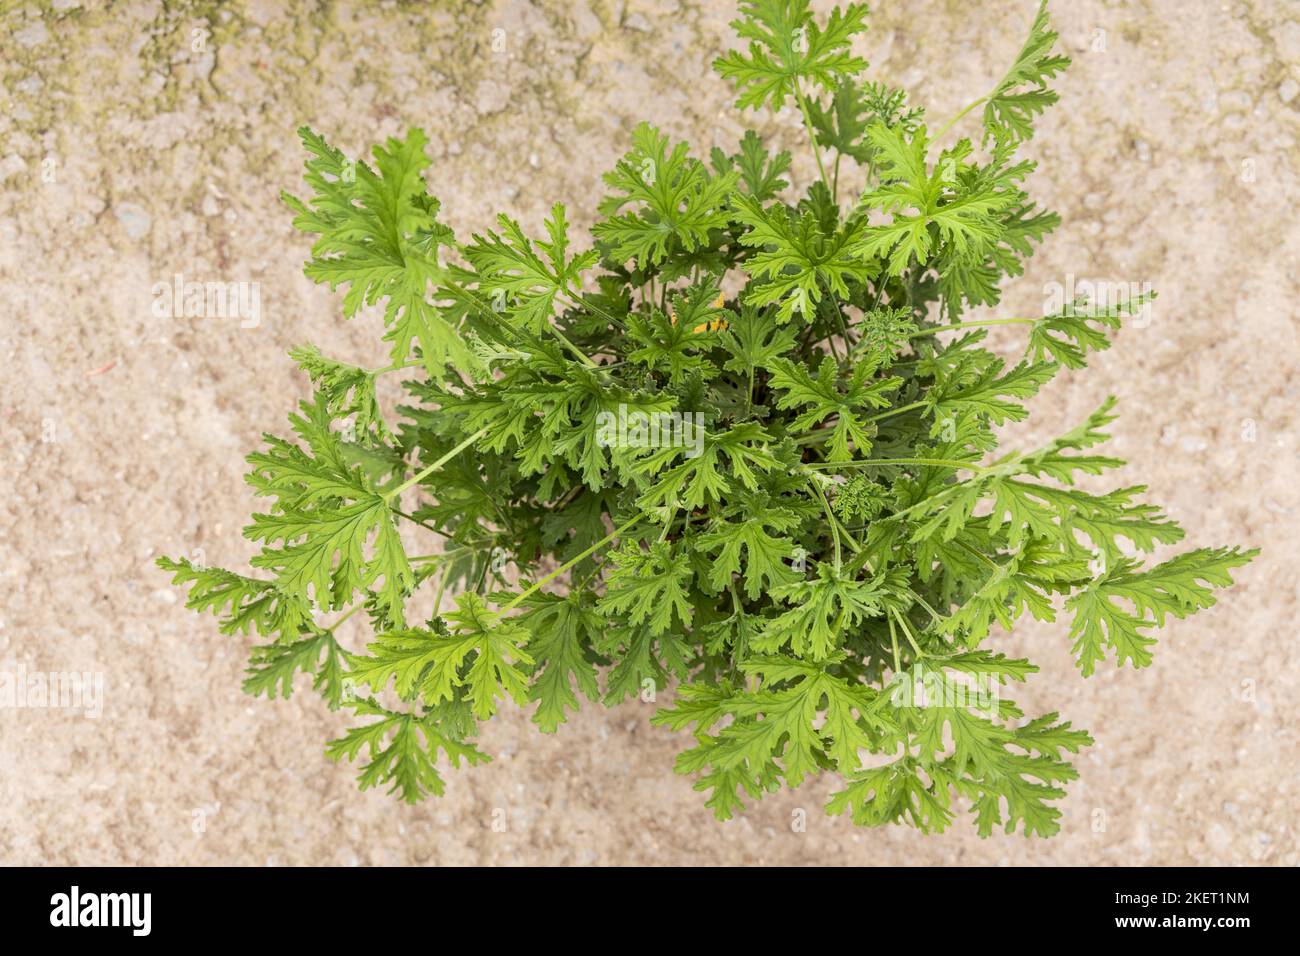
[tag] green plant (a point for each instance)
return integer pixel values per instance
(755, 435)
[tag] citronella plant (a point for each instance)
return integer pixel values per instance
(786, 498)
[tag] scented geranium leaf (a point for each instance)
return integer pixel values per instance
(853, 714)
(989, 393)
(241, 603)
(1053, 461)
(701, 705)
(1070, 334)
(403, 657)
(1023, 509)
(510, 270)
(760, 172)
(842, 126)
(348, 391)
(885, 333)
(732, 633)
(762, 566)
(825, 399)
(676, 201)
(1180, 586)
(895, 793)
(797, 263)
(562, 630)
(726, 785)
(272, 667)
(1028, 777)
(309, 473)
(975, 280)
(699, 480)
(771, 725)
(665, 344)
(481, 653)
(643, 660)
(1059, 514)
(1046, 737)
(648, 586)
(787, 46)
(699, 309)
(973, 276)
(554, 414)
(402, 751)
(1005, 594)
(1025, 785)
(950, 506)
(964, 217)
(1177, 587)
(380, 235)
(323, 549)
(860, 499)
(1022, 95)
(960, 749)
(977, 743)
(987, 664)
(673, 343)
(326, 511)
(754, 339)
(854, 108)
(822, 610)
(498, 650)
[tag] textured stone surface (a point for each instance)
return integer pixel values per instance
(155, 138)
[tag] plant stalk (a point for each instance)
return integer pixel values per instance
(426, 472)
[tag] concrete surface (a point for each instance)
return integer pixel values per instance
(150, 138)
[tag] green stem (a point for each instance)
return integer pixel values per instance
(934, 615)
(880, 291)
(972, 325)
(813, 438)
(422, 524)
(488, 313)
(957, 119)
(672, 516)
(582, 356)
(830, 340)
(895, 411)
(982, 556)
(844, 327)
(568, 564)
(852, 542)
(893, 640)
(587, 580)
(442, 586)
(812, 137)
(424, 473)
(931, 462)
(454, 553)
(741, 648)
(352, 610)
(482, 577)
(830, 517)
(579, 301)
(907, 632)
(396, 366)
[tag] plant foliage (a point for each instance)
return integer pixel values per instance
(743, 445)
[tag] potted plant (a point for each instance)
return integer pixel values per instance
(748, 443)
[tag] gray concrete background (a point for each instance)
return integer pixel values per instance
(1172, 158)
